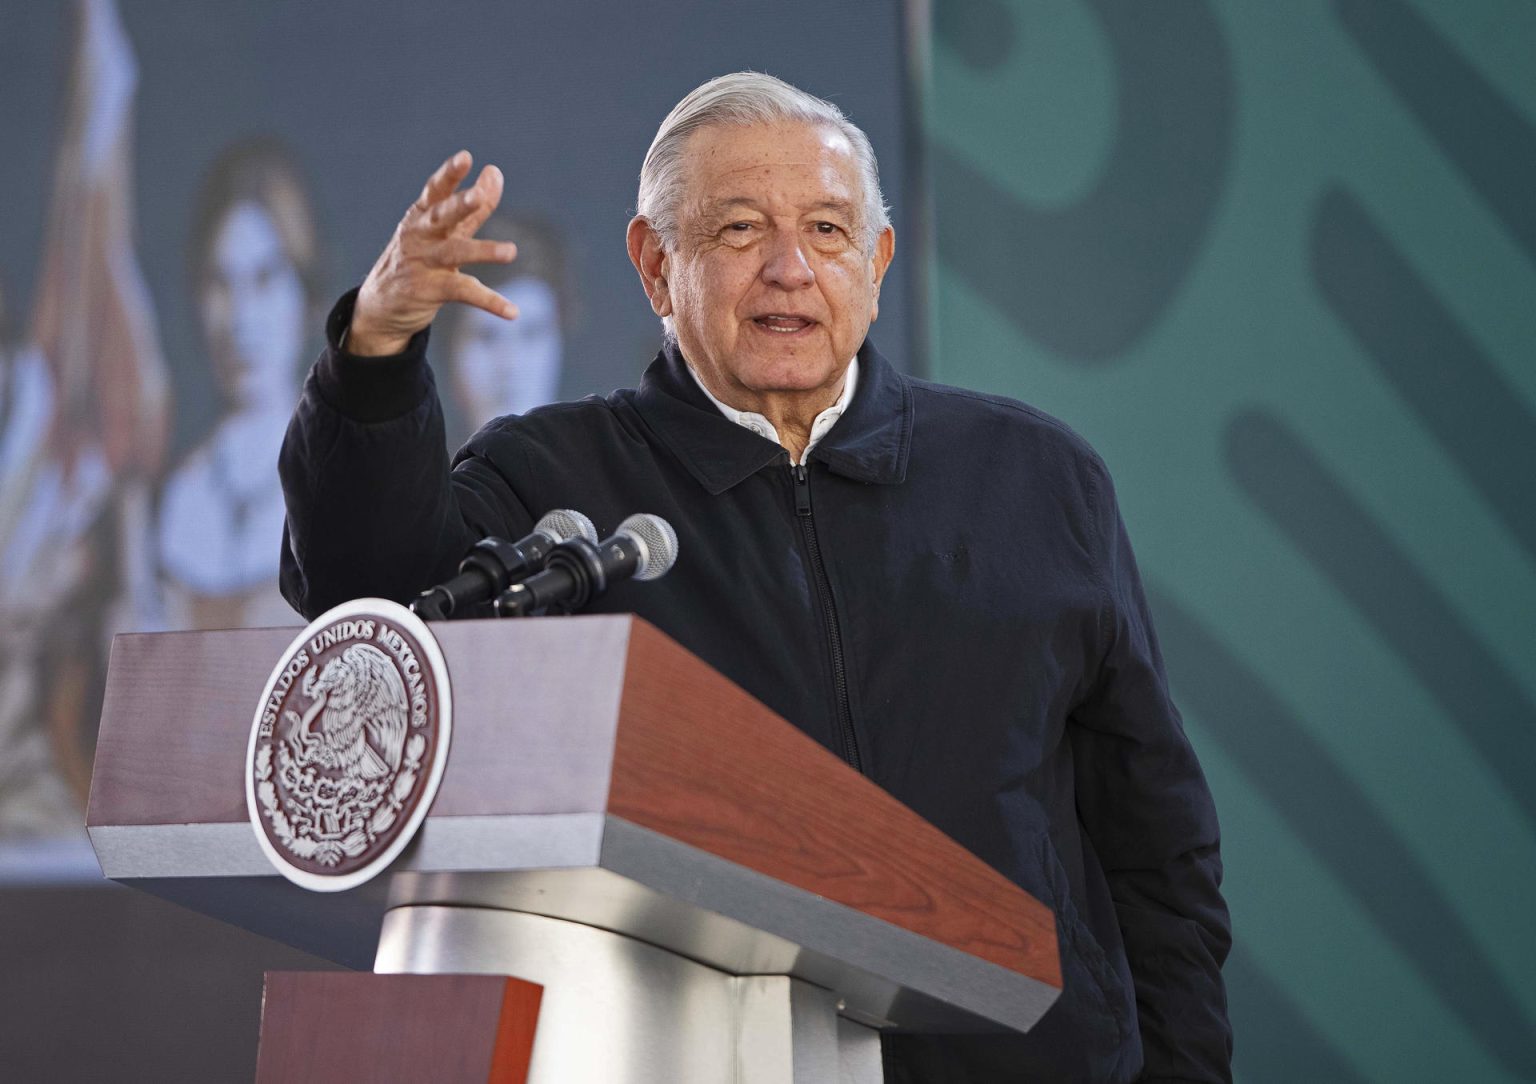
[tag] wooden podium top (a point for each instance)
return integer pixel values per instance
(598, 772)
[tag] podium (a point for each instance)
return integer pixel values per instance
(703, 893)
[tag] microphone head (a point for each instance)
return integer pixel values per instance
(564, 524)
(658, 544)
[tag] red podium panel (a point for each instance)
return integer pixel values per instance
(340, 1028)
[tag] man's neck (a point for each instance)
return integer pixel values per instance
(793, 416)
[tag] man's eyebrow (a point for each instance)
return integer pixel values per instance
(729, 203)
(716, 206)
(842, 206)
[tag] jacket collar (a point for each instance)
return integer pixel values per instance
(869, 443)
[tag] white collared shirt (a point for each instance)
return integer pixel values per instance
(764, 428)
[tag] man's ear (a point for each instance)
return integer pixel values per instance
(885, 249)
(650, 260)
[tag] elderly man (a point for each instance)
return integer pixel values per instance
(933, 583)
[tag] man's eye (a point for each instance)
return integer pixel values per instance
(827, 228)
(740, 227)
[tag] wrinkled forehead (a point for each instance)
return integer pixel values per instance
(799, 162)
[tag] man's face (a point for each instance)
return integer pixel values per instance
(770, 286)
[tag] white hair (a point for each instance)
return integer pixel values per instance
(743, 98)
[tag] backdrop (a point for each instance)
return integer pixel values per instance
(1277, 263)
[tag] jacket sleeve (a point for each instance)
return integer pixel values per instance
(372, 507)
(1148, 813)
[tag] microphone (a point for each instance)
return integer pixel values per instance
(494, 562)
(643, 548)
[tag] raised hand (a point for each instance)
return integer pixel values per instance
(418, 271)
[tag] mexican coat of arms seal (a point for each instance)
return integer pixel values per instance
(348, 744)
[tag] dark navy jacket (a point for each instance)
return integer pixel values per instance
(945, 596)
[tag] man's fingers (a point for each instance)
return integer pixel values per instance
(464, 212)
(489, 184)
(448, 213)
(419, 269)
(445, 180)
(471, 291)
(457, 251)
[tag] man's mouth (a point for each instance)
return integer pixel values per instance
(782, 324)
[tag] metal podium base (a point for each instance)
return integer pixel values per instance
(620, 1011)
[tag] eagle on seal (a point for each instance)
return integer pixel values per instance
(361, 705)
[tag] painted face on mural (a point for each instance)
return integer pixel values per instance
(253, 310)
(509, 367)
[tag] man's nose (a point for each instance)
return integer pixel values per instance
(785, 265)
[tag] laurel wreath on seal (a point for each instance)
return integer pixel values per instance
(322, 819)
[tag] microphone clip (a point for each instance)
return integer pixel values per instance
(575, 557)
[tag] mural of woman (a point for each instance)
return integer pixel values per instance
(498, 366)
(252, 265)
(84, 408)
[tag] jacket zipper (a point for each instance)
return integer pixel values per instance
(850, 742)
